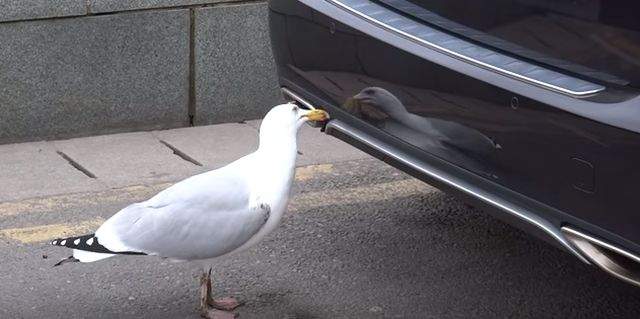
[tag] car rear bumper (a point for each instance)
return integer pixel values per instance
(505, 205)
(314, 39)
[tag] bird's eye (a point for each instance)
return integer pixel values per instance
(369, 91)
(294, 108)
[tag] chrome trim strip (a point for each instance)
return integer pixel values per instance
(566, 84)
(297, 98)
(587, 244)
(460, 185)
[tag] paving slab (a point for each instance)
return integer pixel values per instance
(317, 147)
(236, 76)
(129, 158)
(12, 10)
(213, 145)
(35, 169)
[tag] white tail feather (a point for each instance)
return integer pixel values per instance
(88, 256)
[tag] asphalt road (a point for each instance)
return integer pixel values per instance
(360, 240)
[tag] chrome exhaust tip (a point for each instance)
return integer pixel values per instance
(613, 260)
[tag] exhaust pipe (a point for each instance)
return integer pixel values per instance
(615, 261)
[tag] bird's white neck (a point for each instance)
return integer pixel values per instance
(277, 157)
(278, 150)
(272, 181)
(398, 111)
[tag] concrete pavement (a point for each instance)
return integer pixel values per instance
(360, 240)
(47, 168)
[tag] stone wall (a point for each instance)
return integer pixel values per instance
(80, 67)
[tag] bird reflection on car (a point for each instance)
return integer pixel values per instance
(455, 142)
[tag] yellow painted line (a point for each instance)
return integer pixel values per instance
(37, 234)
(300, 202)
(306, 173)
(128, 194)
(361, 194)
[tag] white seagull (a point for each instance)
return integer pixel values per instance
(210, 215)
(446, 133)
(462, 145)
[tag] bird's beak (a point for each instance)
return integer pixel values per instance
(359, 96)
(317, 115)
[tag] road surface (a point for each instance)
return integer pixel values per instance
(360, 240)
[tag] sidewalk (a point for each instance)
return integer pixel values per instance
(100, 163)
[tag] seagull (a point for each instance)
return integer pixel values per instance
(451, 140)
(211, 215)
(449, 133)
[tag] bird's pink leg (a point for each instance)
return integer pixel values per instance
(221, 307)
(224, 303)
(205, 292)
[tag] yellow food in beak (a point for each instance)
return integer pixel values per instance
(317, 115)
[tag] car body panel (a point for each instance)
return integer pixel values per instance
(572, 160)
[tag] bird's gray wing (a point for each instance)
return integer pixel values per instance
(463, 137)
(202, 217)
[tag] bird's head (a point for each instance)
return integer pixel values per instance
(285, 120)
(374, 103)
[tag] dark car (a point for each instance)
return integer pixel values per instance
(529, 109)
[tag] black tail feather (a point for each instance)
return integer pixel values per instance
(88, 243)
